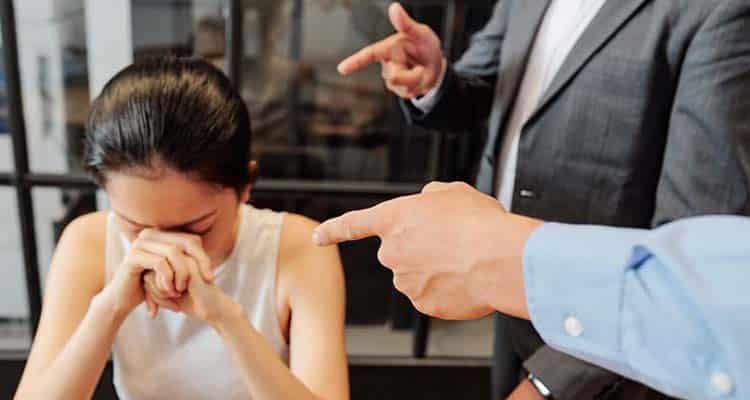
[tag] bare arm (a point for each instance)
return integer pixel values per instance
(317, 299)
(311, 281)
(80, 319)
(76, 329)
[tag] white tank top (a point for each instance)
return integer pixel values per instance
(176, 357)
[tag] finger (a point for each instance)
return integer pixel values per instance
(354, 225)
(194, 273)
(178, 259)
(401, 91)
(174, 256)
(167, 303)
(445, 186)
(138, 261)
(402, 21)
(380, 51)
(153, 287)
(165, 278)
(411, 78)
(153, 308)
(192, 245)
(437, 187)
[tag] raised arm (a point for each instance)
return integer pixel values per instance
(667, 308)
(81, 316)
(413, 66)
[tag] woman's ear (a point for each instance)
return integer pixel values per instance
(252, 168)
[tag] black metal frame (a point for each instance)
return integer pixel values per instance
(17, 127)
(24, 180)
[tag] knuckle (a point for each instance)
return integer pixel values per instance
(384, 257)
(164, 265)
(398, 283)
(195, 240)
(430, 186)
(174, 252)
(428, 307)
(419, 306)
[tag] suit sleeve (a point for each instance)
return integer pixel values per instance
(706, 161)
(707, 157)
(467, 91)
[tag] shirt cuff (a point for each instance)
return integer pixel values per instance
(574, 277)
(427, 102)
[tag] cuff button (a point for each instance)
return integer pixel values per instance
(573, 326)
(722, 383)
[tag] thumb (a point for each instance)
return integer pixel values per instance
(402, 21)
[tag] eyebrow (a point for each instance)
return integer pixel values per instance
(196, 220)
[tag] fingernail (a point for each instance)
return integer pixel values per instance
(317, 238)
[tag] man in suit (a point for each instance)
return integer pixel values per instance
(627, 113)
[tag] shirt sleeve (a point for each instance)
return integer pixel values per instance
(668, 308)
(427, 102)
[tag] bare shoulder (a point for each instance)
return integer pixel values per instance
(88, 231)
(302, 262)
(92, 225)
(296, 234)
(81, 249)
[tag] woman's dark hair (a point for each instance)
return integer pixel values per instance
(180, 113)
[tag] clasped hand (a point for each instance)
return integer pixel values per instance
(169, 270)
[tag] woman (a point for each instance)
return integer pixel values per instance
(257, 310)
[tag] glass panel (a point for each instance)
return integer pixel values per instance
(53, 58)
(6, 154)
(14, 311)
(309, 123)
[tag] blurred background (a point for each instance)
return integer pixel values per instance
(326, 144)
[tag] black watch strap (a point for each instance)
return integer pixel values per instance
(540, 387)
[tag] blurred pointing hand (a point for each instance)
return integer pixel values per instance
(411, 59)
(455, 252)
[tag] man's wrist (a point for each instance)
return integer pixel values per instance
(501, 282)
(427, 99)
(441, 76)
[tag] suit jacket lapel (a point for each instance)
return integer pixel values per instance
(524, 19)
(612, 16)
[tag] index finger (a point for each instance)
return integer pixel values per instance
(354, 225)
(369, 55)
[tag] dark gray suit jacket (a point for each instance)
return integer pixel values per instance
(647, 121)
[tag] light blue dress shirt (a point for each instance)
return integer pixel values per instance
(669, 308)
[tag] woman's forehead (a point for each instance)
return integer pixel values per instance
(165, 201)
